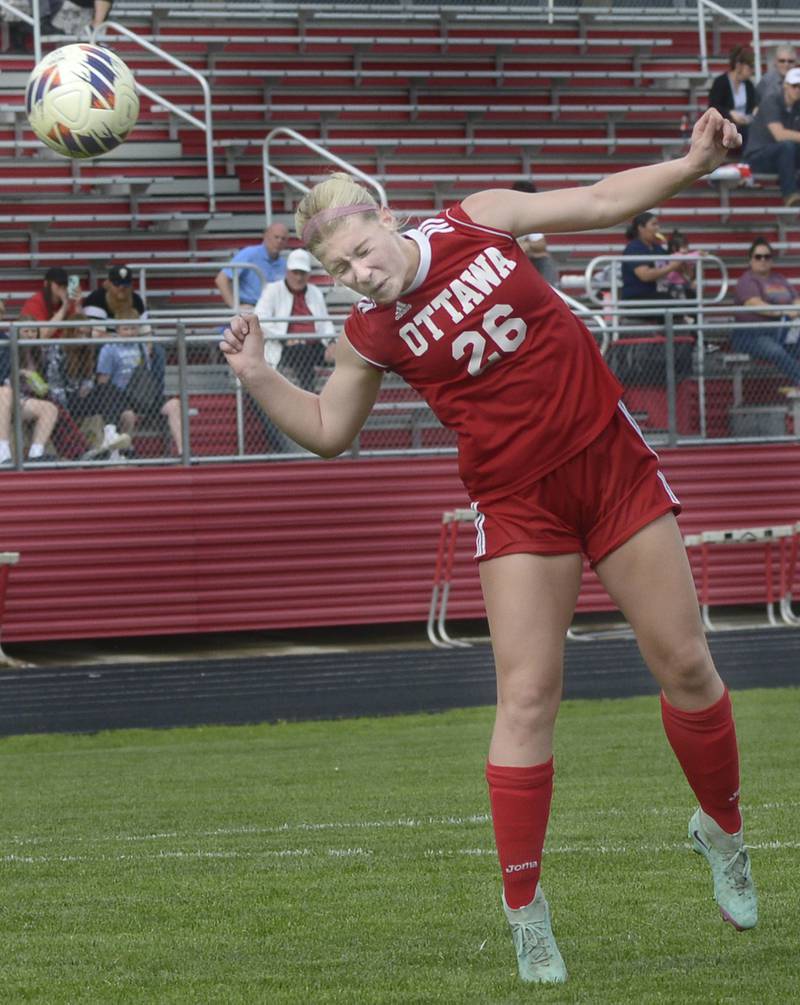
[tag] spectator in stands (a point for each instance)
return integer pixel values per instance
(116, 294)
(535, 245)
(20, 34)
(773, 144)
(267, 256)
(640, 280)
(298, 356)
(733, 93)
(679, 282)
(79, 17)
(53, 302)
(771, 291)
(130, 381)
(35, 410)
(784, 58)
(61, 375)
(69, 369)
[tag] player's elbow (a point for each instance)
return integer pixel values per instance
(327, 454)
(332, 448)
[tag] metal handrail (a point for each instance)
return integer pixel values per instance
(752, 26)
(237, 267)
(699, 261)
(33, 20)
(205, 126)
(269, 169)
(578, 308)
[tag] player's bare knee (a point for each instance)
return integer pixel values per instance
(529, 705)
(686, 665)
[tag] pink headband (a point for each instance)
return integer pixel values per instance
(325, 215)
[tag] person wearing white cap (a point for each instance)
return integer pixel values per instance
(296, 347)
(773, 144)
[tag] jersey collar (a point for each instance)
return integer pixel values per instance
(424, 246)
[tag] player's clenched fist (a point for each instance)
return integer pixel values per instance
(243, 344)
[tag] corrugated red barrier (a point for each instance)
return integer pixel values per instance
(281, 545)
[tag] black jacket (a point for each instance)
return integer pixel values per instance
(721, 95)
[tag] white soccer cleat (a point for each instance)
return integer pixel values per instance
(538, 958)
(734, 890)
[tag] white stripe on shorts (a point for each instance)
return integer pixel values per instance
(635, 424)
(480, 535)
(660, 473)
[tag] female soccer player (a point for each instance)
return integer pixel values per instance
(555, 467)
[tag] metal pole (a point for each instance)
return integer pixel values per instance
(239, 419)
(37, 32)
(701, 29)
(669, 352)
(186, 450)
(756, 38)
(701, 352)
(615, 302)
(143, 283)
(13, 347)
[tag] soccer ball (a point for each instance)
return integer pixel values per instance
(81, 100)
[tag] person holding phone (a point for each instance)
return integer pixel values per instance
(55, 301)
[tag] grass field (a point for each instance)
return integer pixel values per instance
(353, 862)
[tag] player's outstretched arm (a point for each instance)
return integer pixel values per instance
(325, 423)
(615, 198)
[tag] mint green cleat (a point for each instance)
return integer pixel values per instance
(734, 890)
(538, 958)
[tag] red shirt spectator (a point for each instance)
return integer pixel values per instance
(52, 302)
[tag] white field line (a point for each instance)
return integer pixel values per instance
(401, 823)
(367, 853)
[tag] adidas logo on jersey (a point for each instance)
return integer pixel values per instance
(401, 310)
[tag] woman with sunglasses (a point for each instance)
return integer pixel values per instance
(777, 299)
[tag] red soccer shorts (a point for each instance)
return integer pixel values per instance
(593, 503)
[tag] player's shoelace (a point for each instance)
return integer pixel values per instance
(737, 870)
(533, 939)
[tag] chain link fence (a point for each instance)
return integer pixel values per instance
(161, 392)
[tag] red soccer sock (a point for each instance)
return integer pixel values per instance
(520, 799)
(705, 744)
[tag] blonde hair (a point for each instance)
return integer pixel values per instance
(336, 192)
(79, 358)
(126, 314)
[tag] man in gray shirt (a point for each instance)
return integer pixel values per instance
(783, 60)
(773, 144)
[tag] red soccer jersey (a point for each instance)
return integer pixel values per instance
(497, 355)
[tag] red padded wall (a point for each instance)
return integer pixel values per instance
(229, 547)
